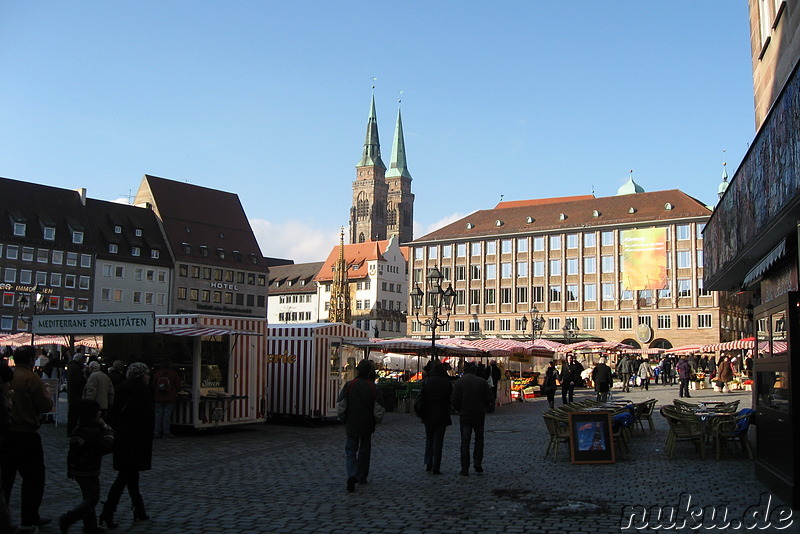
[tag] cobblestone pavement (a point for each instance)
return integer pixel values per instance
(290, 478)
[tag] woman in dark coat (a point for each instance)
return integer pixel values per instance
(435, 401)
(550, 384)
(133, 421)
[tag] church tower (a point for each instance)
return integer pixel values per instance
(370, 192)
(400, 207)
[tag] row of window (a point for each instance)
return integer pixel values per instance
(149, 298)
(40, 278)
(113, 248)
(43, 255)
(381, 304)
(221, 253)
(557, 267)
(294, 299)
(220, 297)
(294, 316)
(476, 248)
(140, 274)
(384, 326)
(48, 232)
(571, 293)
(220, 275)
(554, 324)
(54, 302)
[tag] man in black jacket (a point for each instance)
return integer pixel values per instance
(472, 397)
(570, 375)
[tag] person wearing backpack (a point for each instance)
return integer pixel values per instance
(166, 383)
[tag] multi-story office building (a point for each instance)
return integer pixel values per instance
(377, 274)
(567, 257)
(219, 268)
(133, 269)
(46, 250)
(293, 294)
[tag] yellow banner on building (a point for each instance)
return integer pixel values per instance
(644, 259)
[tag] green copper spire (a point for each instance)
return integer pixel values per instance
(372, 146)
(397, 165)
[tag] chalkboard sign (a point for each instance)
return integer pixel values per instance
(591, 439)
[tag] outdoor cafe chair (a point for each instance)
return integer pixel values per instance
(683, 406)
(733, 428)
(648, 407)
(727, 407)
(683, 427)
(558, 428)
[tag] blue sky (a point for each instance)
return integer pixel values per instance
(269, 100)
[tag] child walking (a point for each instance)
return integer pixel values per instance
(89, 441)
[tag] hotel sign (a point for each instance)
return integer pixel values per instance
(95, 323)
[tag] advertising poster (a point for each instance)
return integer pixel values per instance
(644, 259)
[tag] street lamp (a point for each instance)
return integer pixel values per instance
(38, 306)
(570, 330)
(537, 322)
(439, 300)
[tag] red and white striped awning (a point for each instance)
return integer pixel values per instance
(739, 344)
(200, 331)
(644, 351)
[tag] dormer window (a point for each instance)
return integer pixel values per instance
(253, 258)
(595, 213)
(154, 254)
(136, 251)
(19, 229)
(49, 233)
(77, 237)
(631, 210)
(237, 256)
(204, 251)
(529, 220)
(113, 248)
(667, 206)
(221, 253)
(562, 216)
(117, 229)
(138, 232)
(302, 282)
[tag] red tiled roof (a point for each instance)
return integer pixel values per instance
(356, 257)
(511, 218)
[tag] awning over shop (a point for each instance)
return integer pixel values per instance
(739, 344)
(766, 262)
(200, 331)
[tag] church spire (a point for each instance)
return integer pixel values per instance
(371, 155)
(397, 165)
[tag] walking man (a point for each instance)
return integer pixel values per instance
(684, 374)
(361, 396)
(167, 384)
(22, 450)
(601, 376)
(472, 397)
(624, 372)
(99, 389)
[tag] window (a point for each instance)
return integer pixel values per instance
(555, 242)
(506, 246)
(27, 253)
(701, 291)
(505, 295)
(606, 322)
(589, 292)
(505, 325)
(458, 326)
(490, 296)
(41, 278)
(491, 271)
(19, 229)
(460, 297)
(461, 272)
(475, 249)
(625, 294)
(12, 252)
(447, 251)
(554, 323)
(700, 258)
(113, 248)
(572, 240)
(119, 271)
(137, 295)
(474, 296)
(86, 261)
(607, 238)
(10, 275)
(537, 294)
(105, 294)
(646, 319)
(118, 296)
(625, 322)
(505, 270)
(522, 269)
(522, 244)
(25, 276)
(684, 320)
(136, 251)
(42, 255)
(474, 326)
(555, 267)
(589, 265)
(433, 253)
(607, 264)
(589, 240)
(461, 251)
(684, 287)
(572, 293)
(49, 233)
(699, 227)
(555, 293)
(538, 268)
(488, 325)
(117, 229)
(608, 291)
(684, 259)
(572, 265)
(682, 232)
(475, 272)
(664, 322)
(589, 323)
(55, 279)
(69, 303)
(522, 294)
(538, 244)
(77, 238)
(491, 247)
(69, 280)
(58, 257)
(665, 293)
(138, 232)
(703, 320)
(83, 282)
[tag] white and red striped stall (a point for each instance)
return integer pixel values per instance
(301, 379)
(242, 399)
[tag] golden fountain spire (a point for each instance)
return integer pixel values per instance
(339, 311)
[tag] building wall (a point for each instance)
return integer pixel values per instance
(300, 307)
(215, 290)
(123, 286)
(497, 281)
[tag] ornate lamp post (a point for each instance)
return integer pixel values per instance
(440, 302)
(38, 306)
(537, 322)
(570, 330)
